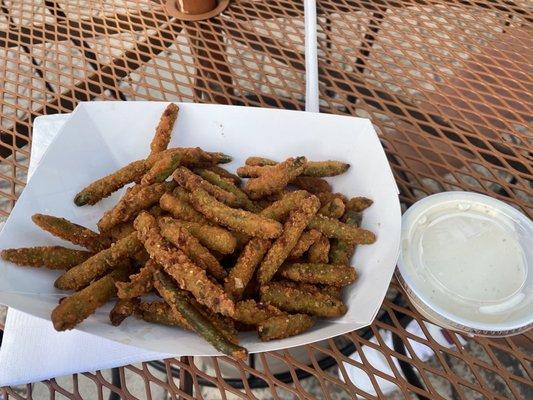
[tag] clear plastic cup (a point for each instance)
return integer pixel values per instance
(464, 263)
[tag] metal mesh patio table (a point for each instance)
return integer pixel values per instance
(447, 84)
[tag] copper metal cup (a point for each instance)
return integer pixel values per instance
(195, 10)
(195, 7)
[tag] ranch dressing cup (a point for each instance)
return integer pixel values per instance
(466, 263)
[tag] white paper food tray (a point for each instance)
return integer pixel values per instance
(101, 137)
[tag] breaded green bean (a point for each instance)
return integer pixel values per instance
(327, 197)
(122, 309)
(284, 326)
(188, 275)
(72, 232)
(134, 171)
(190, 181)
(179, 303)
(317, 169)
(334, 209)
(236, 219)
(359, 203)
(320, 169)
(51, 257)
(75, 308)
(241, 274)
(250, 312)
(333, 228)
(292, 299)
(103, 187)
(311, 184)
(213, 237)
(225, 325)
(225, 174)
(319, 251)
(325, 274)
(217, 180)
(181, 209)
(333, 291)
(190, 157)
(140, 283)
(120, 231)
(136, 199)
(183, 240)
(159, 312)
(274, 179)
(162, 169)
(304, 242)
(341, 251)
(280, 209)
(164, 129)
(81, 275)
(259, 161)
(250, 171)
(292, 229)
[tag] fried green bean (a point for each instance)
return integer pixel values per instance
(359, 203)
(292, 299)
(225, 325)
(276, 178)
(190, 157)
(317, 169)
(164, 129)
(259, 161)
(236, 219)
(311, 184)
(179, 303)
(122, 309)
(137, 198)
(181, 209)
(333, 228)
(250, 171)
(334, 209)
(333, 291)
(319, 251)
(51, 257)
(304, 243)
(182, 239)
(159, 312)
(327, 197)
(134, 171)
(225, 174)
(326, 274)
(341, 251)
(71, 232)
(321, 169)
(120, 231)
(103, 187)
(140, 283)
(162, 169)
(292, 229)
(241, 274)
(75, 308)
(81, 275)
(188, 275)
(190, 181)
(280, 209)
(250, 312)
(283, 326)
(217, 180)
(213, 237)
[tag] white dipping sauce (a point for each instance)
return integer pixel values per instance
(468, 260)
